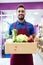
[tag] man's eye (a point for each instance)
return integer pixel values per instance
(22, 11)
(18, 11)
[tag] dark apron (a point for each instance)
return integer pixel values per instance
(21, 59)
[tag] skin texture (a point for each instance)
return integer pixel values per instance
(21, 14)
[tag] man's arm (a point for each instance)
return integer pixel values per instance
(10, 29)
(32, 33)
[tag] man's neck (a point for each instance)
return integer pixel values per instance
(21, 21)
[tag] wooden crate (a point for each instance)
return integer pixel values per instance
(20, 48)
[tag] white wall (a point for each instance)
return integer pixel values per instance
(33, 16)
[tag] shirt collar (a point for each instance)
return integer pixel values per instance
(21, 23)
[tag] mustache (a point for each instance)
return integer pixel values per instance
(21, 14)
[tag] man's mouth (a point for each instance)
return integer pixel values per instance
(21, 15)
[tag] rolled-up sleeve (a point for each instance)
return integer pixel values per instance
(10, 29)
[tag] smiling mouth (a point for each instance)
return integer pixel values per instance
(21, 15)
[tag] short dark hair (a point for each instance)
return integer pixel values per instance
(20, 6)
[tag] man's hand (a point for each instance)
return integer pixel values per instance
(37, 39)
(31, 39)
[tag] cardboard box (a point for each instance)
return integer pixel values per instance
(20, 48)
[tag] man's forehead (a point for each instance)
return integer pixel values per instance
(20, 8)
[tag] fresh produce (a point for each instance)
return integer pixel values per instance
(9, 40)
(14, 34)
(21, 38)
(9, 36)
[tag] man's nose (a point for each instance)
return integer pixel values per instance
(20, 12)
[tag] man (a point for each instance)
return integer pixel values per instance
(26, 28)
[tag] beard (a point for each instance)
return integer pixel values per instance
(21, 17)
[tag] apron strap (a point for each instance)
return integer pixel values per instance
(14, 25)
(25, 26)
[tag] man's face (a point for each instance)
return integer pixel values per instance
(21, 13)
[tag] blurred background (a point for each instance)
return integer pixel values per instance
(34, 15)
